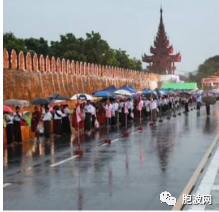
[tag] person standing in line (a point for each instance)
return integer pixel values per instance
(130, 108)
(9, 128)
(140, 106)
(121, 113)
(126, 111)
(47, 118)
(108, 109)
(153, 107)
(147, 104)
(114, 113)
(101, 114)
(198, 101)
(36, 116)
(160, 104)
(165, 104)
(58, 121)
(208, 109)
(93, 115)
(186, 102)
(65, 120)
(17, 126)
(88, 111)
(78, 117)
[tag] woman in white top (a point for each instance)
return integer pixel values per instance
(58, 121)
(17, 126)
(108, 109)
(9, 129)
(153, 107)
(47, 117)
(65, 120)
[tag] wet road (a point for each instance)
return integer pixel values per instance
(129, 174)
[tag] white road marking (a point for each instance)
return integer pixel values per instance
(104, 144)
(111, 142)
(63, 161)
(6, 184)
(136, 132)
(208, 180)
(114, 140)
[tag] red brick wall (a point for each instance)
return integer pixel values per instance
(27, 77)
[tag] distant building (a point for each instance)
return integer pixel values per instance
(162, 61)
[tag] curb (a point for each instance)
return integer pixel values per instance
(190, 185)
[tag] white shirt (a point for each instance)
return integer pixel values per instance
(153, 105)
(160, 102)
(88, 108)
(121, 105)
(108, 109)
(164, 101)
(186, 100)
(147, 105)
(59, 112)
(140, 105)
(9, 119)
(93, 111)
(16, 117)
(66, 111)
(47, 116)
(78, 112)
(115, 106)
(199, 99)
(130, 105)
(126, 107)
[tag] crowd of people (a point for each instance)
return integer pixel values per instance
(89, 116)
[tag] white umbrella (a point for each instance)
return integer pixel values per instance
(123, 92)
(82, 96)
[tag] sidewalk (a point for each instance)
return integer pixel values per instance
(209, 185)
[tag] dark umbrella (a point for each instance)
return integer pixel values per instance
(40, 101)
(12, 102)
(209, 100)
(149, 94)
(58, 97)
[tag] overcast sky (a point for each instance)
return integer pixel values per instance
(191, 25)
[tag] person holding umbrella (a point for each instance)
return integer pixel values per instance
(108, 109)
(198, 101)
(17, 126)
(9, 128)
(47, 117)
(65, 120)
(153, 107)
(186, 102)
(58, 121)
(88, 111)
(36, 116)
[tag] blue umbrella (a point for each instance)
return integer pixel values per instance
(104, 94)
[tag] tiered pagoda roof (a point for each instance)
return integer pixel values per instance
(162, 59)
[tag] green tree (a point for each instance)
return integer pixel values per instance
(11, 42)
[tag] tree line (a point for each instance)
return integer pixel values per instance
(210, 68)
(92, 49)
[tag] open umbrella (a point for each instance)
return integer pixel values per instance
(24, 103)
(208, 99)
(40, 101)
(7, 109)
(12, 102)
(82, 96)
(55, 96)
(104, 94)
(123, 92)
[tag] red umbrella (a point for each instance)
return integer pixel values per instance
(7, 109)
